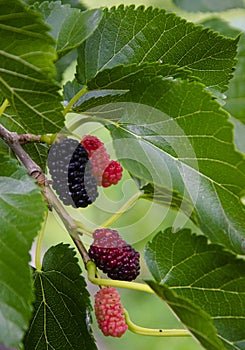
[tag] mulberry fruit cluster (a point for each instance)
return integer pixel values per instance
(109, 312)
(114, 256)
(107, 172)
(71, 172)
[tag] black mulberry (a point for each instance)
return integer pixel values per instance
(71, 172)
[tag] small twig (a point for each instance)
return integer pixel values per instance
(47, 138)
(27, 138)
(82, 250)
(67, 220)
(12, 139)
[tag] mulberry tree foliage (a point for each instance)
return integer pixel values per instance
(166, 92)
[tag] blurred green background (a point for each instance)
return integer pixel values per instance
(137, 225)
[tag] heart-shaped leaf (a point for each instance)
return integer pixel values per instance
(61, 318)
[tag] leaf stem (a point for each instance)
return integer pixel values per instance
(74, 99)
(84, 228)
(93, 278)
(48, 138)
(114, 217)
(121, 211)
(38, 262)
(90, 118)
(3, 106)
(154, 332)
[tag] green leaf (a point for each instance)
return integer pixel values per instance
(147, 35)
(184, 144)
(64, 64)
(74, 3)
(219, 25)
(123, 77)
(196, 320)
(119, 80)
(22, 210)
(208, 275)
(173, 199)
(70, 26)
(208, 5)
(71, 88)
(27, 69)
(239, 132)
(61, 318)
(236, 93)
(3, 148)
(235, 102)
(37, 151)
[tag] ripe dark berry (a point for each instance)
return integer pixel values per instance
(114, 256)
(109, 312)
(71, 173)
(112, 174)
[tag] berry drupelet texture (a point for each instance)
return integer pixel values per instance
(91, 144)
(114, 256)
(109, 312)
(107, 172)
(71, 173)
(112, 174)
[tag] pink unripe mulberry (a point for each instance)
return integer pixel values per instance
(98, 156)
(112, 174)
(109, 312)
(91, 143)
(107, 172)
